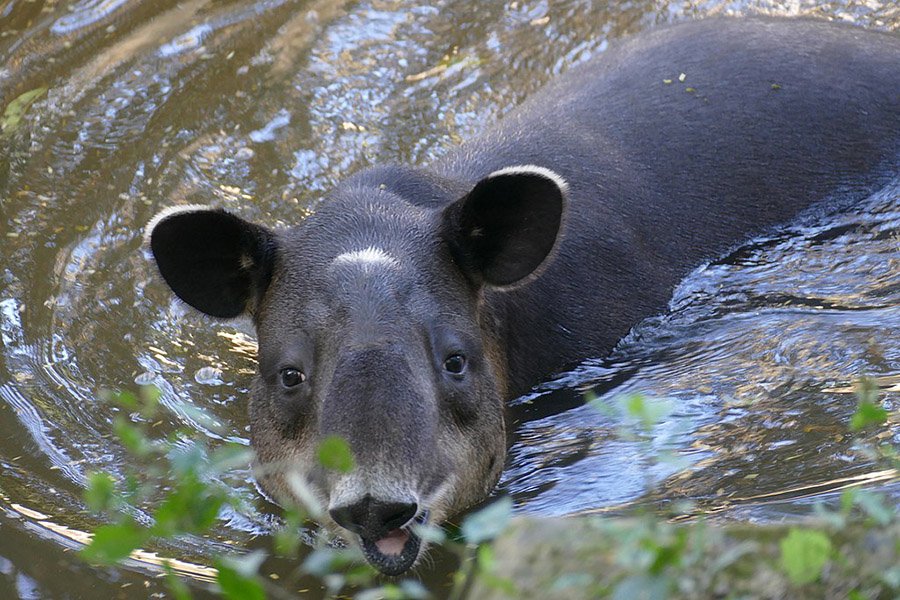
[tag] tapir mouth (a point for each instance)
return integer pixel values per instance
(397, 550)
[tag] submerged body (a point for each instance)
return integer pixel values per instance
(416, 301)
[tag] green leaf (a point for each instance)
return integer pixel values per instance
(485, 558)
(306, 498)
(803, 554)
(430, 533)
(150, 395)
(325, 561)
(385, 592)
(649, 412)
(891, 577)
(668, 554)
(287, 538)
(131, 437)
(246, 565)
(635, 406)
(231, 456)
(187, 460)
(321, 561)
(414, 590)
(872, 504)
(126, 399)
(867, 414)
(203, 418)
(236, 586)
(335, 454)
(486, 565)
(191, 507)
(15, 110)
(112, 543)
(866, 389)
(487, 523)
(100, 494)
(601, 404)
(848, 499)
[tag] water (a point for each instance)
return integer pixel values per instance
(756, 362)
(259, 107)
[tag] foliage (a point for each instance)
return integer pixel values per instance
(804, 553)
(335, 454)
(851, 551)
(488, 523)
(180, 479)
(868, 412)
(639, 556)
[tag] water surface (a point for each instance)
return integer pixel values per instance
(261, 106)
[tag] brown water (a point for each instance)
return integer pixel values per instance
(259, 107)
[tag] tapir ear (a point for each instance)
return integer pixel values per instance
(505, 228)
(218, 263)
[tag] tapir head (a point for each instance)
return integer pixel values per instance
(373, 326)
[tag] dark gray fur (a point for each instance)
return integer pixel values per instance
(662, 179)
(783, 113)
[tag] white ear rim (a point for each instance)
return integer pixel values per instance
(171, 212)
(544, 172)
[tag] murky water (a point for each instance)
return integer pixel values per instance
(259, 107)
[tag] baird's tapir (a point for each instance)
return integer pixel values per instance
(418, 299)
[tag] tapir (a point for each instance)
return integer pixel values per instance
(417, 300)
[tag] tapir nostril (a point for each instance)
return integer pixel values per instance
(372, 519)
(345, 517)
(396, 515)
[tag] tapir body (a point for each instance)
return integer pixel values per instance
(416, 300)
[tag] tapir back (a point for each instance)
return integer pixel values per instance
(676, 144)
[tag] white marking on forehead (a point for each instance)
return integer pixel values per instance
(371, 256)
(534, 170)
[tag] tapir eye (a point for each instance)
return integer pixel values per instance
(291, 377)
(455, 364)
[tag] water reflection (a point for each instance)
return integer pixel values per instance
(259, 107)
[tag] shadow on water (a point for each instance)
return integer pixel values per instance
(259, 107)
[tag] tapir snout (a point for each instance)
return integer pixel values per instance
(388, 413)
(389, 416)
